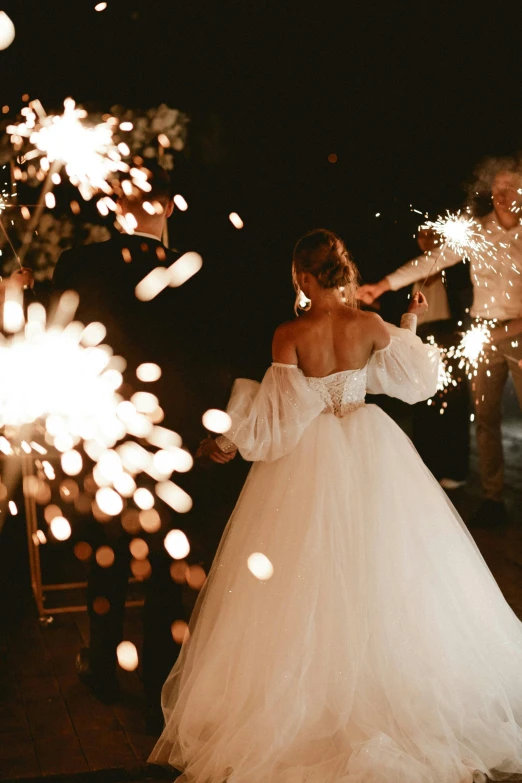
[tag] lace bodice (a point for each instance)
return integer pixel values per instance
(269, 419)
(341, 392)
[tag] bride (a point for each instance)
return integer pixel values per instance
(365, 641)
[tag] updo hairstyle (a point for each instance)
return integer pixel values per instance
(323, 254)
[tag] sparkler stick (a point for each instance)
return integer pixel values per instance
(165, 234)
(37, 214)
(6, 235)
(431, 269)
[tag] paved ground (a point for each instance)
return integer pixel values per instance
(52, 727)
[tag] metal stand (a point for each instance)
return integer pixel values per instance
(39, 589)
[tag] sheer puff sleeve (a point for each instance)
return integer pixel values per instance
(269, 418)
(407, 368)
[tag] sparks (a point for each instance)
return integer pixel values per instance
(87, 152)
(473, 342)
(458, 232)
(56, 382)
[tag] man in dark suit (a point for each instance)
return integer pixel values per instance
(105, 275)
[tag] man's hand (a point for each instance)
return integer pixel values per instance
(371, 291)
(208, 449)
(418, 304)
(22, 278)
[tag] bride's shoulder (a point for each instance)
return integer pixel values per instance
(284, 343)
(374, 327)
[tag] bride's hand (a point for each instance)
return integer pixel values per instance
(208, 449)
(418, 304)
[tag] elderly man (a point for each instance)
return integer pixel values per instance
(497, 294)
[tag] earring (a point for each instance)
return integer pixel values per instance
(303, 302)
(343, 295)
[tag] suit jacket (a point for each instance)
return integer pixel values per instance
(105, 276)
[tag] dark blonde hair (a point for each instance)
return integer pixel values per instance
(324, 255)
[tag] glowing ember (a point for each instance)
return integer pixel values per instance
(144, 499)
(174, 496)
(235, 220)
(180, 202)
(60, 528)
(180, 631)
(148, 372)
(127, 656)
(7, 31)
(217, 421)
(176, 544)
(260, 566)
(184, 268)
(109, 501)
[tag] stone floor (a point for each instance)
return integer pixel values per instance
(52, 727)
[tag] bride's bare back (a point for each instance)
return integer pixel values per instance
(330, 339)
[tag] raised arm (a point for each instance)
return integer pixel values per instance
(417, 269)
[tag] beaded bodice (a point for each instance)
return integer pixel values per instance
(342, 392)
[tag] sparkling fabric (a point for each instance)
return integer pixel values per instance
(407, 368)
(341, 392)
(380, 650)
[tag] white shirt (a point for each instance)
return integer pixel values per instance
(496, 276)
(148, 236)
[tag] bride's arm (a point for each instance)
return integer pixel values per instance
(284, 351)
(418, 306)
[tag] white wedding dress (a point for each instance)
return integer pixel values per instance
(381, 650)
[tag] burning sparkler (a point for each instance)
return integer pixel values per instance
(87, 152)
(58, 390)
(472, 345)
(467, 355)
(460, 233)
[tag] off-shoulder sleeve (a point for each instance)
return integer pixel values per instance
(269, 418)
(407, 368)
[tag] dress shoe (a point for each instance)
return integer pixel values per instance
(491, 513)
(107, 690)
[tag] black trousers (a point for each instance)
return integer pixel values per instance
(443, 440)
(106, 593)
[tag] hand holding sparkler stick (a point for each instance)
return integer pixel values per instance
(418, 304)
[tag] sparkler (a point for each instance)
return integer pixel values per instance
(473, 342)
(88, 154)
(459, 233)
(467, 355)
(58, 389)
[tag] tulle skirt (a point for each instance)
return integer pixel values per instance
(381, 650)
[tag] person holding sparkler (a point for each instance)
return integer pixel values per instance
(493, 245)
(441, 427)
(106, 276)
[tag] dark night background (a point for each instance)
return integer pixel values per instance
(408, 96)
